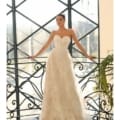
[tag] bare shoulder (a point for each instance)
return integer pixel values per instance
(53, 33)
(71, 31)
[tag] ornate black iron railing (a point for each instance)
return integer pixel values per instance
(25, 79)
(97, 101)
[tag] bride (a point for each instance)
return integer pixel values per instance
(61, 100)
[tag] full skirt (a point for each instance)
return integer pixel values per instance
(61, 100)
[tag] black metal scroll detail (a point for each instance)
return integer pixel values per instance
(97, 102)
(29, 99)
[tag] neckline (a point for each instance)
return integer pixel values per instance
(61, 36)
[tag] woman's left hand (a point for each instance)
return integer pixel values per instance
(91, 58)
(31, 57)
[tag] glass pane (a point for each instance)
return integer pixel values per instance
(88, 8)
(8, 9)
(10, 36)
(24, 27)
(83, 28)
(19, 1)
(9, 29)
(81, 24)
(9, 2)
(90, 43)
(73, 1)
(65, 1)
(34, 43)
(93, 43)
(41, 11)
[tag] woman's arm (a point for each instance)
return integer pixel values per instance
(79, 45)
(46, 45)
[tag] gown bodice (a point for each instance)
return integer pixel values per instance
(61, 42)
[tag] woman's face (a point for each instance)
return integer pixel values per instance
(60, 21)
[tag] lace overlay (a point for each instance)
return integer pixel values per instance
(61, 99)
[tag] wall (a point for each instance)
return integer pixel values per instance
(106, 26)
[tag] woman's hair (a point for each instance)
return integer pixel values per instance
(62, 15)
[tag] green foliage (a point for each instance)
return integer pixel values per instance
(102, 77)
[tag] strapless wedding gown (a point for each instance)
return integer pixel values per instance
(61, 100)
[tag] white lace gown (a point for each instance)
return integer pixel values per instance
(61, 100)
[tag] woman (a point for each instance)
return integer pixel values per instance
(61, 100)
